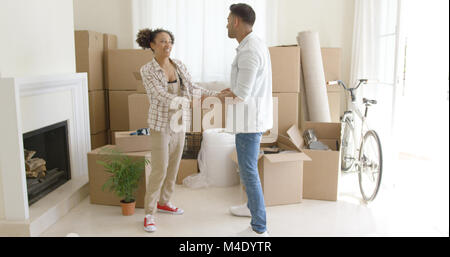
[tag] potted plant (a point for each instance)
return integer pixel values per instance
(125, 175)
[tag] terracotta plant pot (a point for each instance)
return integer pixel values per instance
(128, 208)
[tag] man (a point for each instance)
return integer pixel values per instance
(251, 84)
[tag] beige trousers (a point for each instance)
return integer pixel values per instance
(167, 149)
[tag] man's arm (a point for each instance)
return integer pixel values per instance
(248, 64)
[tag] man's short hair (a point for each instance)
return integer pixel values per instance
(245, 12)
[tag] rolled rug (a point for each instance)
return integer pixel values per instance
(313, 77)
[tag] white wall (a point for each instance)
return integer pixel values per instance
(106, 16)
(36, 37)
(333, 19)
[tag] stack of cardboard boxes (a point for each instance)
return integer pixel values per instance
(90, 49)
(287, 79)
(321, 175)
(124, 80)
(286, 75)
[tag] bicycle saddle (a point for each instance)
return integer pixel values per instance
(365, 101)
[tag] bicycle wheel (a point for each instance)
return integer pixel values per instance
(348, 148)
(370, 165)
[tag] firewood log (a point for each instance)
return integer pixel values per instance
(29, 154)
(34, 163)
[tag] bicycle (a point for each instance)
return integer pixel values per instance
(367, 160)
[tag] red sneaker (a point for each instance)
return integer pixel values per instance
(149, 223)
(169, 208)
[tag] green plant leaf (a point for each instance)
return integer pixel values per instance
(125, 171)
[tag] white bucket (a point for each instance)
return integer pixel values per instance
(216, 167)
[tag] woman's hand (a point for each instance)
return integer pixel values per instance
(225, 93)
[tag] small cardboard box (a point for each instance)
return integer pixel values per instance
(98, 176)
(131, 143)
(321, 175)
(97, 111)
(285, 69)
(138, 107)
(124, 67)
(187, 167)
(99, 139)
(118, 110)
(89, 57)
(281, 174)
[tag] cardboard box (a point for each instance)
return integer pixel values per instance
(288, 111)
(131, 143)
(331, 58)
(124, 66)
(118, 110)
(89, 57)
(285, 69)
(98, 176)
(109, 41)
(281, 174)
(335, 101)
(187, 167)
(99, 139)
(321, 175)
(97, 111)
(138, 107)
(111, 138)
(140, 87)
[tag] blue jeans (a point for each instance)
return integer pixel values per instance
(247, 147)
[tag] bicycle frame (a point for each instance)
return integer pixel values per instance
(351, 111)
(362, 129)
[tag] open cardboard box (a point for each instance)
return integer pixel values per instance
(321, 175)
(281, 174)
(131, 143)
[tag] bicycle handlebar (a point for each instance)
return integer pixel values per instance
(340, 82)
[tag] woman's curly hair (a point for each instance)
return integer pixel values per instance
(145, 36)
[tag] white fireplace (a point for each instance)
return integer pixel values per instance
(28, 104)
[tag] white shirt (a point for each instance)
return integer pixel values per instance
(251, 81)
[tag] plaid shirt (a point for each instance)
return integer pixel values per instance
(156, 85)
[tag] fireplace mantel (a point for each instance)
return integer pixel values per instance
(13, 91)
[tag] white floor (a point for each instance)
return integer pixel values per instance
(415, 205)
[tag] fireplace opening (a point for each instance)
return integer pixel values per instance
(47, 163)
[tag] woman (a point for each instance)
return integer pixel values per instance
(168, 84)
